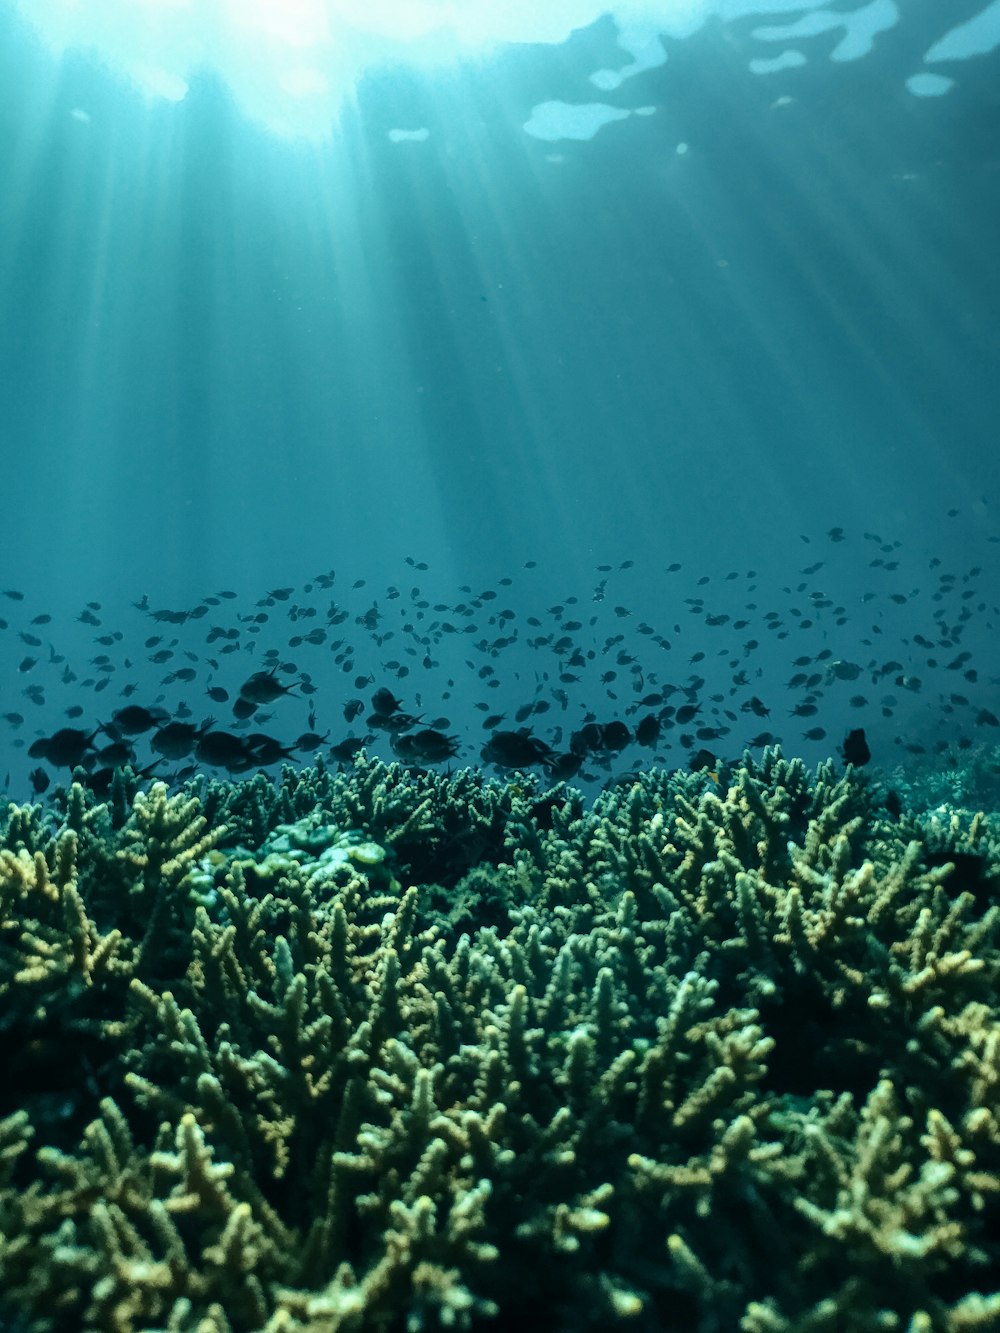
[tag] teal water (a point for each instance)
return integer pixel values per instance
(695, 286)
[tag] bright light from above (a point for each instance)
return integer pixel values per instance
(291, 63)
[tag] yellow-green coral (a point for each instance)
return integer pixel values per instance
(702, 1058)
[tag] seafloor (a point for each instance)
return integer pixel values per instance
(386, 1050)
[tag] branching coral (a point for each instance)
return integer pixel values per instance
(705, 1057)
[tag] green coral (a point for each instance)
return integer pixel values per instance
(421, 1052)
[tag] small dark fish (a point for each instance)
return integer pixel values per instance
(516, 749)
(648, 730)
(702, 759)
(115, 755)
(263, 687)
(844, 670)
(352, 708)
(393, 723)
(134, 719)
(346, 749)
(222, 749)
(565, 766)
(266, 750)
(615, 736)
(855, 748)
(762, 738)
(64, 748)
(384, 702)
(589, 737)
(176, 740)
(804, 710)
(310, 741)
(427, 746)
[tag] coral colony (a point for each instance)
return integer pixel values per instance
(389, 1049)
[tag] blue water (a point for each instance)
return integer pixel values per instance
(696, 286)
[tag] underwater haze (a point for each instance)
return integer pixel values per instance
(570, 390)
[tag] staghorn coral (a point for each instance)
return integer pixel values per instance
(62, 978)
(702, 1057)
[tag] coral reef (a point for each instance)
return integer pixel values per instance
(391, 1050)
